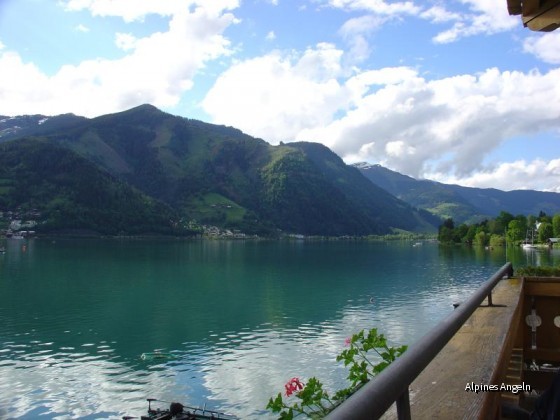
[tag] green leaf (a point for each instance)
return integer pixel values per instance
(287, 415)
(277, 404)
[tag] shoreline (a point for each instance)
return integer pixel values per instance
(283, 237)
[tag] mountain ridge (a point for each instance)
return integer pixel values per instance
(462, 204)
(218, 175)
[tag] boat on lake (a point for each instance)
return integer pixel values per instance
(529, 242)
(178, 411)
(156, 355)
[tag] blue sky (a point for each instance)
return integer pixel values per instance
(456, 91)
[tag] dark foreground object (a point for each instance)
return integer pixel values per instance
(178, 411)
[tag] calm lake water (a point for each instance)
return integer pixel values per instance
(237, 318)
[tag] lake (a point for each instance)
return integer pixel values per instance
(236, 318)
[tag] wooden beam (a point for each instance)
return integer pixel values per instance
(530, 7)
(542, 289)
(514, 7)
(545, 18)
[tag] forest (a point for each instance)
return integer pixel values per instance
(503, 229)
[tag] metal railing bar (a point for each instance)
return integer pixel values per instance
(403, 406)
(373, 399)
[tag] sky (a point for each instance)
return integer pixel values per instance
(455, 91)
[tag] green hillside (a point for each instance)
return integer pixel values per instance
(74, 195)
(220, 176)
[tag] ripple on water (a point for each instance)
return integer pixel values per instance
(85, 373)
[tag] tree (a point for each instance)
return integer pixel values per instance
(515, 231)
(449, 223)
(547, 219)
(495, 226)
(469, 237)
(496, 240)
(556, 225)
(545, 232)
(445, 233)
(501, 221)
(523, 220)
(460, 233)
(481, 238)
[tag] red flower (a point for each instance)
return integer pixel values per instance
(348, 341)
(293, 385)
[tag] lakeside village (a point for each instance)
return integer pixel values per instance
(17, 224)
(21, 224)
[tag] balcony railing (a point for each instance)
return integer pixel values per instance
(392, 385)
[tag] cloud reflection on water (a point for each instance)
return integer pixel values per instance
(256, 321)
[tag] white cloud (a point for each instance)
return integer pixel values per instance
(439, 14)
(544, 47)
(448, 125)
(477, 17)
(82, 28)
(271, 36)
(380, 7)
(392, 116)
(484, 17)
(131, 10)
(276, 96)
(158, 68)
(125, 41)
(360, 25)
(399, 148)
(356, 30)
(519, 174)
(17, 77)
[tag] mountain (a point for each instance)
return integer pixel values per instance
(28, 125)
(462, 204)
(218, 175)
(74, 195)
